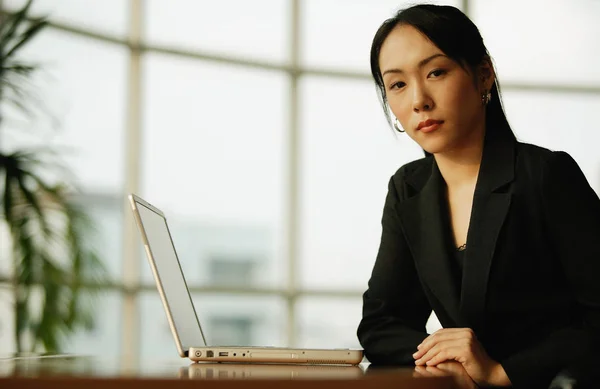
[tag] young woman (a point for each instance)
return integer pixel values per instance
(499, 238)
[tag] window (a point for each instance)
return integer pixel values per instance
(213, 158)
(104, 16)
(231, 331)
(349, 155)
(535, 49)
(231, 271)
(81, 86)
(328, 322)
(106, 238)
(558, 121)
(5, 251)
(217, 99)
(104, 338)
(80, 115)
(7, 320)
(260, 318)
(337, 34)
(256, 30)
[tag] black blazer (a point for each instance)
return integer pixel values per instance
(530, 285)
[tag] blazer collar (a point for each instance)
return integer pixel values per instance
(491, 203)
(427, 234)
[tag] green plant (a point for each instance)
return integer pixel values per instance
(50, 253)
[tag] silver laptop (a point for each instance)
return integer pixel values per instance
(181, 314)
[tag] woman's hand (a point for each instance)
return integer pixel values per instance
(461, 345)
(451, 368)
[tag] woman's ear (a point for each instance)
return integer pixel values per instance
(487, 75)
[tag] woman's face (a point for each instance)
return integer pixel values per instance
(436, 101)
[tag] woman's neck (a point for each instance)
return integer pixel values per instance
(460, 166)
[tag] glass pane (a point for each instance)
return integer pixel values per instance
(102, 339)
(105, 336)
(225, 319)
(79, 96)
(332, 322)
(106, 214)
(5, 251)
(338, 33)
(349, 155)
(559, 122)
(542, 41)
(81, 90)
(213, 162)
(255, 29)
(328, 322)
(105, 16)
(7, 320)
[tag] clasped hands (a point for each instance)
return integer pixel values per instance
(460, 345)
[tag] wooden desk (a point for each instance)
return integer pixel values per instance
(77, 372)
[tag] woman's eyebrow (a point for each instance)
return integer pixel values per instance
(422, 63)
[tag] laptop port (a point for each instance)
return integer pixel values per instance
(223, 354)
(210, 354)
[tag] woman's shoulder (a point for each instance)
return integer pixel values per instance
(412, 169)
(530, 150)
(550, 169)
(534, 156)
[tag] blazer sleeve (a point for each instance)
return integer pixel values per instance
(572, 212)
(395, 308)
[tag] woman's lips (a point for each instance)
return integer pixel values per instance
(429, 125)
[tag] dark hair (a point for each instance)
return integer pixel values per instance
(455, 35)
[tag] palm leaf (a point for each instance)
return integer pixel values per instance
(11, 25)
(14, 73)
(20, 68)
(32, 200)
(36, 26)
(50, 248)
(17, 87)
(63, 310)
(30, 206)
(22, 318)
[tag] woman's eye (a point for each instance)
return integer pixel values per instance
(397, 85)
(437, 72)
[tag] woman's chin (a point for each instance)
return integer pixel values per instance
(432, 148)
(438, 145)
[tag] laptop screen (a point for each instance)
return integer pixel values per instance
(171, 277)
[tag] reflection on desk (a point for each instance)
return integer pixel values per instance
(266, 371)
(86, 366)
(75, 372)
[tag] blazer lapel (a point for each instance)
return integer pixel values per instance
(490, 206)
(425, 231)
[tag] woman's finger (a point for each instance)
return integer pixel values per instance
(440, 347)
(442, 335)
(453, 353)
(421, 371)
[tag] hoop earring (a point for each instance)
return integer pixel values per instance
(397, 126)
(486, 97)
